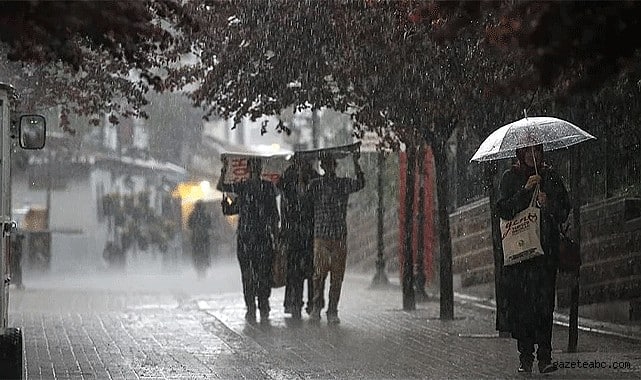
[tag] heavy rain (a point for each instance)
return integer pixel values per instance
(340, 189)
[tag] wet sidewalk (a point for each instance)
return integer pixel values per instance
(377, 339)
(172, 327)
(483, 296)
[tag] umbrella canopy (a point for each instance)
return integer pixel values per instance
(552, 132)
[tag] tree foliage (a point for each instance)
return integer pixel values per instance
(94, 56)
(367, 58)
(574, 45)
(258, 58)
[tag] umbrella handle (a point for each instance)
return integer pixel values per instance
(534, 201)
(536, 168)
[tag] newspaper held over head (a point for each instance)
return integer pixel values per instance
(237, 169)
(274, 165)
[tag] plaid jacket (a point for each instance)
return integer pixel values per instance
(330, 195)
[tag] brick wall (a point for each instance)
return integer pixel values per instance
(611, 253)
(610, 249)
(470, 229)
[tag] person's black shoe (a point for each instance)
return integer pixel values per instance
(525, 367)
(296, 314)
(315, 316)
(547, 366)
(250, 316)
(264, 316)
(332, 319)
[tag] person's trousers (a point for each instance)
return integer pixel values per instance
(537, 330)
(543, 340)
(294, 293)
(329, 258)
(256, 273)
(300, 267)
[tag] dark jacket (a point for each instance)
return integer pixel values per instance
(257, 210)
(297, 207)
(530, 285)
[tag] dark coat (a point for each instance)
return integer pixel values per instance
(530, 285)
(297, 225)
(257, 215)
(297, 208)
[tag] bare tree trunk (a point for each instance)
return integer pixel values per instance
(420, 236)
(445, 242)
(497, 248)
(380, 278)
(409, 299)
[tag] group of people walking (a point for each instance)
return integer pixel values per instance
(311, 228)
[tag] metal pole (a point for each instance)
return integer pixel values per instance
(380, 279)
(573, 334)
(315, 129)
(49, 189)
(4, 217)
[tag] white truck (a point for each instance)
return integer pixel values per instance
(30, 134)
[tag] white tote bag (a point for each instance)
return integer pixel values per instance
(521, 235)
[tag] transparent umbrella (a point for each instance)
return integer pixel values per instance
(552, 132)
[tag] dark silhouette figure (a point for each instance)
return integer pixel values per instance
(530, 285)
(257, 227)
(298, 234)
(115, 256)
(200, 224)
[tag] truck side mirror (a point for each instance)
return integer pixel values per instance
(32, 130)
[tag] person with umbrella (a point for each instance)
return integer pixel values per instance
(530, 283)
